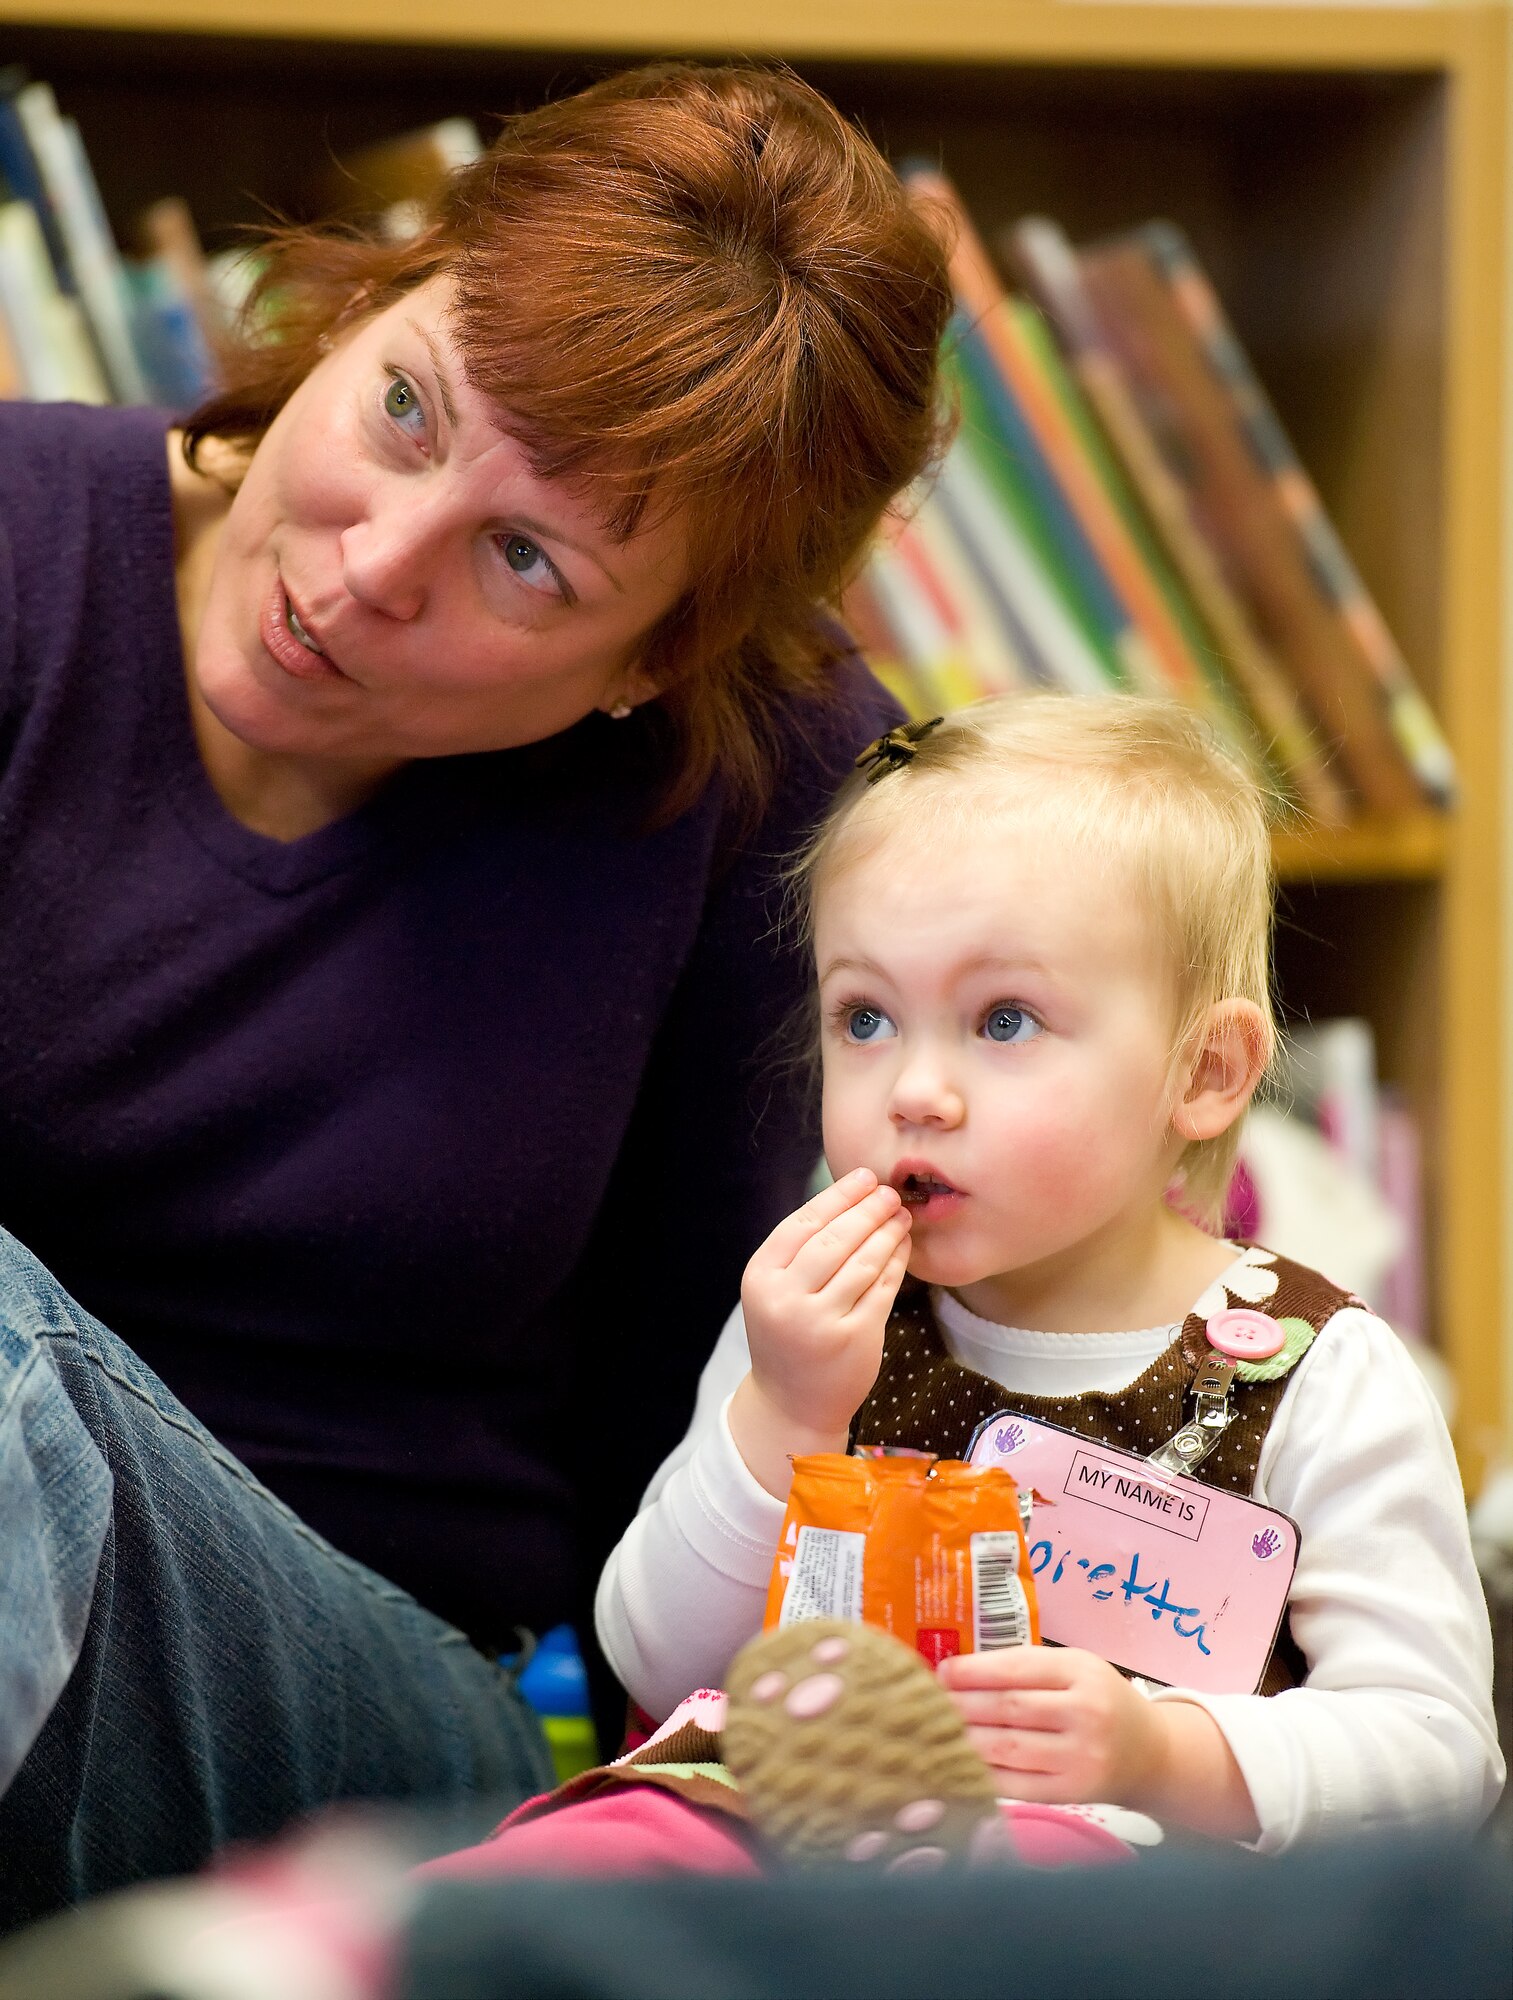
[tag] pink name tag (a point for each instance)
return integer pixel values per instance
(1181, 1582)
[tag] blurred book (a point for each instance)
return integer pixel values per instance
(92, 256)
(46, 334)
(181, 322)
(80, 321)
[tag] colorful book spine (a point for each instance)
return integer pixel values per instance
(1097, 543)
(1193, 419)
(1053, 645)
(1044, 259)
(1409, 715)
(911, 600)
(994, 435)
(1213, 689)
(983, 627)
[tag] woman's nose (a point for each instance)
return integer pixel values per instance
(925, 1094)
(389, 557)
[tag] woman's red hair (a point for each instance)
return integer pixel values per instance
(706, 293)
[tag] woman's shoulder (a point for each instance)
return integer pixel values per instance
(57, 459)
(41, 440)
(83, 509)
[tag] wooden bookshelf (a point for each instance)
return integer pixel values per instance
(1341, 171)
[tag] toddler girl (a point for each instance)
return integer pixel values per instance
(1041, 941)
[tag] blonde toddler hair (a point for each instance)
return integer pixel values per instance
(1145, 785)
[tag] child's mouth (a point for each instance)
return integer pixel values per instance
(919, 1189)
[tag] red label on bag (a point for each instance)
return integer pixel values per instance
(937, 1642)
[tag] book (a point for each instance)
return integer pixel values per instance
(21, 178)
(170, 339)
(47, 330)
(934, 673)
(1053, 647)
(1018, 485)
(1193, 417)
(1412, 720)
(1044, 259)
(968, 576)
(166, 237)
(1111, 571)
(92, 255)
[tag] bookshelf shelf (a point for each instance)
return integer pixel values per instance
(1342, 174)
(1411, 849)
(978, 31)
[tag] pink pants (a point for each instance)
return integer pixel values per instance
(642, 1830)
(611, 1822)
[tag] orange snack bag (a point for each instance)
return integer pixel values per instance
(933, 1552)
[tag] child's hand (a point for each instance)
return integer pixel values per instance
(1061, 1727)
(816, 1299)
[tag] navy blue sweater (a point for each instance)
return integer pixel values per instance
(420, 1156)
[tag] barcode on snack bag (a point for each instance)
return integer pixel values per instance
(826, 1581)
(1000, 1609)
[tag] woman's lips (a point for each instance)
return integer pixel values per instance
(285, 649)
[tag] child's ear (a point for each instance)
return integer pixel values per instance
(1221, 1076)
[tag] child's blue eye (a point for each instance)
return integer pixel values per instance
(1005, 1023)
(868, 1024)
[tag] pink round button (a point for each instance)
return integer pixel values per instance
(1246, 1336)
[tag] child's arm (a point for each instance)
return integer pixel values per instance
(1393, 1725)
(687, 1585)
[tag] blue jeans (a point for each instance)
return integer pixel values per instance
(183, 1663)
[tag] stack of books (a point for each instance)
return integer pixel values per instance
(78, 322)
(1120, 507)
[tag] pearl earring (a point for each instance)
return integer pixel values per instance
(620, 710)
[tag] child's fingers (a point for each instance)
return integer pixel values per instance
(1038, 1710)
(884, 1289)
(1009, 1667)
(1017, 1753)
(795, 1230)
(815, 1263)
(867, 1263)
(1033, 1788)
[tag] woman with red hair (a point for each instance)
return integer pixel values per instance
(396, 766)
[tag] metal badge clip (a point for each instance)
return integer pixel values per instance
(1212, 1417)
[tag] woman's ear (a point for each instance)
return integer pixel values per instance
(631, 689)
(1229, 1059)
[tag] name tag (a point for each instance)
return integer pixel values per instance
(1180, 1582)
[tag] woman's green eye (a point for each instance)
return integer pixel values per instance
(401, 401)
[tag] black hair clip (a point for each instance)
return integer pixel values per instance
(897, 748)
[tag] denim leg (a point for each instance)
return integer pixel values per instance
(183, 1663)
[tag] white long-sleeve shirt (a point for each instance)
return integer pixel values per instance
(1394, 1722)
